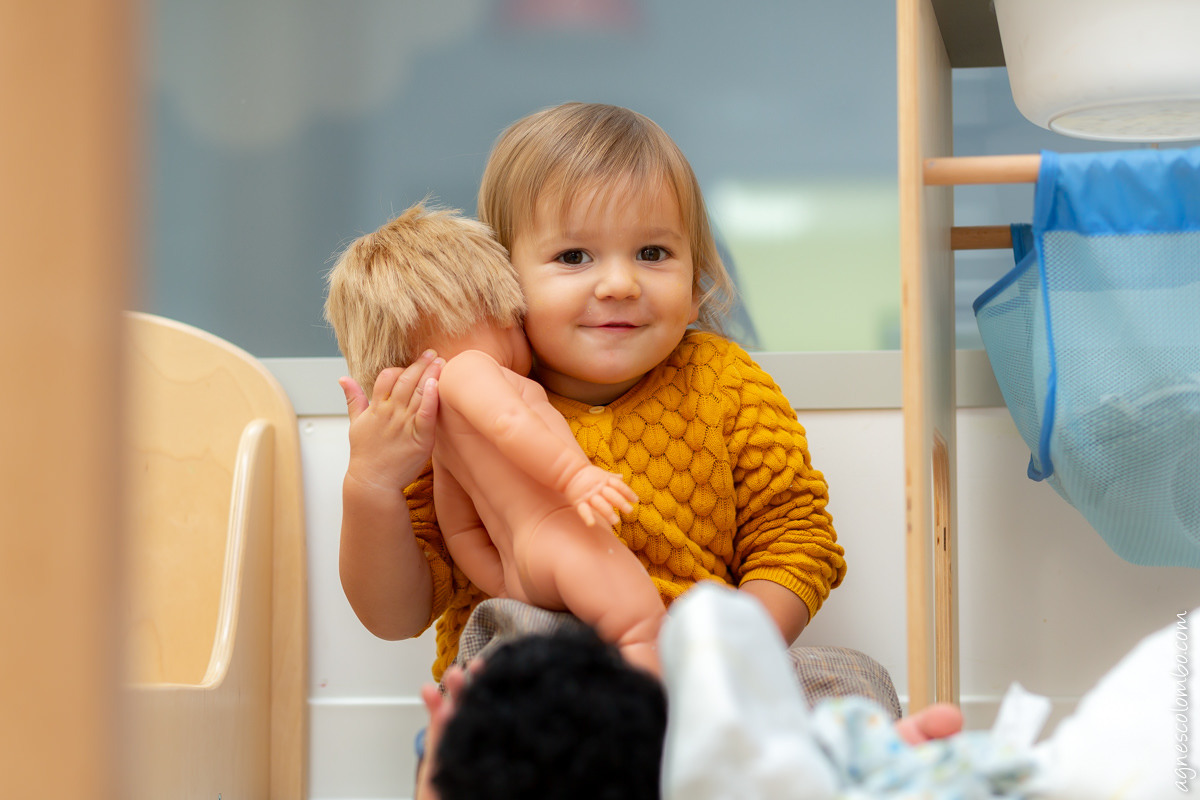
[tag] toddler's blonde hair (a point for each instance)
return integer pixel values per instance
(562, 150)
(427, 271)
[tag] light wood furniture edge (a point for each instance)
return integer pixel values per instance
(927, 350)
(276, 450)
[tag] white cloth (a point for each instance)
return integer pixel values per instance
(739, 728)
(737, 722)
(1137, 732)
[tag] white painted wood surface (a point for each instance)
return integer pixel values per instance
(1036, 582)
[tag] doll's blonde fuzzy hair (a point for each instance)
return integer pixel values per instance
(426, 271)
(560, 151)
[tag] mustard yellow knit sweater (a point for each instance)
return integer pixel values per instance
(722, 470)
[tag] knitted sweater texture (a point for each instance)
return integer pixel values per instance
(722, 471)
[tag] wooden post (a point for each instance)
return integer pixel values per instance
(67, 89)
(927, 345)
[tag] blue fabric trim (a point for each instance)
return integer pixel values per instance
(1022, 238)
(1127, 191)
(1043, 206)
(1045, 198)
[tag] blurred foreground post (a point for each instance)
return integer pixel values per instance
(67, 196)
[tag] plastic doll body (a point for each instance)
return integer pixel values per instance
(523, 512)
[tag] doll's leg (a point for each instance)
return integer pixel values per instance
(598, 579)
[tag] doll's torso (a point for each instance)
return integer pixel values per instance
(509, 504)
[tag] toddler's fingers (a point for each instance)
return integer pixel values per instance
(585, 513)
(356, 398)
(937, 721)
(432, 698)
(418, 397)
(398, 383)
(454, 681)
(385, 384)
(426, 412)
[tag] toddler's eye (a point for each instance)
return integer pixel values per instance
(652, 253)
(573, 258)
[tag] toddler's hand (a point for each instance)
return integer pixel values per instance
(391, 437)
(594, 491)
(441, 708)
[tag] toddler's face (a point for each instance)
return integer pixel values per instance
(609, 288)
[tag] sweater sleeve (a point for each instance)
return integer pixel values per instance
(454, 596)
(425, 527)
(784, 532)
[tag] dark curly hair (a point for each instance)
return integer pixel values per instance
(555, 717)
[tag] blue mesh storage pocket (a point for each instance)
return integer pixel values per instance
(1094, 337)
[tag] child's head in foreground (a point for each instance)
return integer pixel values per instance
(554, 716)
(427, 272)
(569, 189)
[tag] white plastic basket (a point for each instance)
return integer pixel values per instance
(1114, 70)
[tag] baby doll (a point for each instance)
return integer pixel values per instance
(516, 497)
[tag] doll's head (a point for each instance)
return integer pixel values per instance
(425, 273)
(569, 150)
(554, 716)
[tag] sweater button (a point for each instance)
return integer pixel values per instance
(596, 410)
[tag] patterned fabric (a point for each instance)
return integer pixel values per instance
(859, 745)
(498, 620)
(826, 672)
(823, 671)
(721, 466)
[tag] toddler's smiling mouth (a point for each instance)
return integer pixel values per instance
(614, 323)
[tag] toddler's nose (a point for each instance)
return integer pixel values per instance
(618, 280)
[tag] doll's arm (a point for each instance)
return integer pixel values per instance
(477, 387)
(467, 540)
(383, 568)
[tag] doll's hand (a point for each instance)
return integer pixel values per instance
(391, 437)
(594, 491)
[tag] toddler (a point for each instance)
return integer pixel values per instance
(606, 226)
(516, 497)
